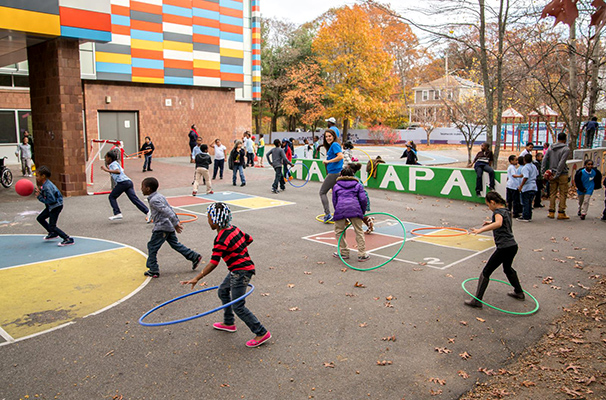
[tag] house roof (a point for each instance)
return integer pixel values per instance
(543, 110)
(447, 82)
(511, 113)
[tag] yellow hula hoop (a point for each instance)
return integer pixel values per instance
(319, 219)
(372, 165)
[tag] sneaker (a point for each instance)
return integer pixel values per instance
(194, 193)
(274, 191)
(226, 328)
(519, 296)
(551, 214)
(243, 184)
(211, 192)
(150, 170)
(115, 217)
(148, 217)
(522, 219)
(196, 262)
(257, 343)
(327, 218)
(583, 216)
(153, 274)
(516, 216)
(51, 236)
(235, 184)
(143, 171)
(336, 255)
(66, 242)
(363, 258)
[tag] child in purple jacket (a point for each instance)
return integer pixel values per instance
(350, 202)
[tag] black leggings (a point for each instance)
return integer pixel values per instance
(503, 256)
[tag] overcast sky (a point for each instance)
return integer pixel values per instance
(299, 11)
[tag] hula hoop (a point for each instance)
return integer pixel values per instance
(319, 219)
(372, 165)
(497, 308)
(308, 175)
(194, 316)
(463, 231)
(380, 265)
(137, 153)
(195, 217)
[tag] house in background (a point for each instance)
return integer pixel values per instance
(429, 98)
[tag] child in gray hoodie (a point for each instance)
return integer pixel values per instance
(277, 158)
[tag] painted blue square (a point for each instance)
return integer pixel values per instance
(225, 196)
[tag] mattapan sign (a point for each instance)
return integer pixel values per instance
(451, 183)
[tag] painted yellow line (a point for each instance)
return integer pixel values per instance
(258, 202)
(467, 242)
(49, 294)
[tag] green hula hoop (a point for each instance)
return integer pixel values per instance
(497, 308)
(380, 265)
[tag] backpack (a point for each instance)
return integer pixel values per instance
(230, 160)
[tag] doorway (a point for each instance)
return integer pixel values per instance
(120, 125)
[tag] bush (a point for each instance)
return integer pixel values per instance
(381, 134)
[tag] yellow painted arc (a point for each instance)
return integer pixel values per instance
(30, 21)
(44, 295)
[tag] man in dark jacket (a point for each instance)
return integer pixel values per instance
(591, 127)
(555, 160)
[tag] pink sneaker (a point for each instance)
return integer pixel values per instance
(257, 343)
(221, 327)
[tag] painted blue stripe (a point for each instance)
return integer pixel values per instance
(256, 46)
(256, 24)
(114, 68)
(232, 36)
(232, 69)
(120, 20)
(200, 12)
(225, 19)
(147, 63)
(78, 33)
(145, 35)
(203, 30)
(25, 249)
(176, 80)
(174, 10)
(231, 4)
(256, 68)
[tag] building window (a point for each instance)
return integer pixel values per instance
(425, 95)
(14, 81)
(87, 59)
(449, 95)
(436, 95)
(8, 127)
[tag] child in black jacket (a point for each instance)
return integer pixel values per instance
(203, 161)
(147, 150)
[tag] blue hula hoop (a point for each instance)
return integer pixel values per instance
(194, 316)
(308, 176)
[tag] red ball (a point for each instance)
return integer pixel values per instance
(24, 187)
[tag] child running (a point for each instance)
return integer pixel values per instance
(505, 252)
(166, 223)
(122, 184)
(231, 245)
(52, 198)
(350, 202)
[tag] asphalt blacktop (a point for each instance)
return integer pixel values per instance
(392, 333)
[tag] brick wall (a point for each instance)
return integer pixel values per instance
(14, 99)
(214, 111)
(56, 103)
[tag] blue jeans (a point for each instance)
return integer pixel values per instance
(241, 169)
(126, 187)
(236, 282)
(278, 179)
(51, 225)
(219, 165)
(527, 198)
(157, 240)
(147, 162)
(480, 168)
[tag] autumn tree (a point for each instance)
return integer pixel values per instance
(469, 116)
(359, 79)
(303, 100)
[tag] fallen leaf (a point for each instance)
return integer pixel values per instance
(360, 285)
(290, 285)
(574, 368)
(384, 362)
(570, 392)
(443, 350)
(294, 309)
(343, 269)
(389, 339)
(417, 269)
(320, 262)
(388, 304)
(320, 282)
(573, 295)
(363, 325)
(438, 381)
(390, 298)
(264, 294)
(583, 286)
(537, 250)
(307, 272)
(350, 295)
(528, 383)
(488, 372)
(449, 276)
(586, 381)
(547, 280)
(464, 323)
(224, 385)
(463, 374)
(570, 257)
(329, 364)
(577, 341)
(465, 355)
(451, 340)
(556, 287)
(435, 392)
(376, 298)
(422, 263)
(555, 250)
(480, 319)
(500, 393)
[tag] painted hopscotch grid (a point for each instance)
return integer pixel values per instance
(238, 202)
(434, 252)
